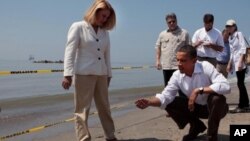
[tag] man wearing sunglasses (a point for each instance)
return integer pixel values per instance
(167, 44)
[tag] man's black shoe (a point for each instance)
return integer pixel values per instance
(194, 131)
(112, 139)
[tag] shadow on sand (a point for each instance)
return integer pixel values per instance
(203, 137)
(221, 137)
(145, 139)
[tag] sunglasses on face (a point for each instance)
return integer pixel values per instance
(228, 26)
(171, 22)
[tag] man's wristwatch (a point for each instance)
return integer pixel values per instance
(201, 89)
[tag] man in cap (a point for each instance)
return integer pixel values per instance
(237, 63)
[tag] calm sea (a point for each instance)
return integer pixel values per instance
(23, 85)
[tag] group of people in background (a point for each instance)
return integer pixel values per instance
(224, 51)
(200, 86)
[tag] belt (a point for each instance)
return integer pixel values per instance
(206, 57)
(222, 63)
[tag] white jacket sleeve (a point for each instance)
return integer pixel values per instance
(73, 40)
(107, 58)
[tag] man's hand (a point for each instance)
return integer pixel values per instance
(208, 45)
(158, 65)
(198, 43)
(142, 103)
(213, 46)
(192, 99)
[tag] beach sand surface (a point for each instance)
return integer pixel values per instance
(132, 124)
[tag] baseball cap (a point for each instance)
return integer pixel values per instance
(230, 22)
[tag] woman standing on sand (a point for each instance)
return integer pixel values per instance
(87, 57)
(237, 63)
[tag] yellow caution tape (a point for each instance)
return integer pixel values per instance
(52, 71)
(43, 71)
(35, 129)
(4, 72)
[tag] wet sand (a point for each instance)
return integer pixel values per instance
(132, 124)
(19, 115)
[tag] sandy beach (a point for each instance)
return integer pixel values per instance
(132, 124)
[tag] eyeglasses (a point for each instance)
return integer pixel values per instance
(228, 26)
(171, 22)
(208, 22)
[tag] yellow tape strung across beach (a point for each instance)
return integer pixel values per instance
(35, 129)
(2, 73)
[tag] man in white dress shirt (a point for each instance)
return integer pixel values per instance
(204, 88)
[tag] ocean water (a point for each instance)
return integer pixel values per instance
(25, 85)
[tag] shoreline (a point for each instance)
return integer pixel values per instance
(36, 101)
(69, 95)
(132, 123)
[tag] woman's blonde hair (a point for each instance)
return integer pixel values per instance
(90, 15)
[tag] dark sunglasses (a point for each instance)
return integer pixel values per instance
(208, 21)
(171, 22)
(229, 26)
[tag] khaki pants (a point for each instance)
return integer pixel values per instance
(88, 87)
(222, 68)
(213, 61)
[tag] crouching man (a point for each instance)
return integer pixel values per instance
(204, 88)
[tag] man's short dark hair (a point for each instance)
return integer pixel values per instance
(190, 50)
(170, 15)
(208, 18)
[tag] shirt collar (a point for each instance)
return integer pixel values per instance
(91, 29)
(235, 34)
(211, 30)
(177, 30)
(197, 69)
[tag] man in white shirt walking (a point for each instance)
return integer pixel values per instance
(204, 88)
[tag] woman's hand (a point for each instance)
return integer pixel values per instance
(109, 79)
(67, 81)
(240, 66)
(229, 67)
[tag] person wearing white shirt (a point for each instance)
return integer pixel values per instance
(204, 88)
(237, 64)
(208, 41)
(87, 58)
